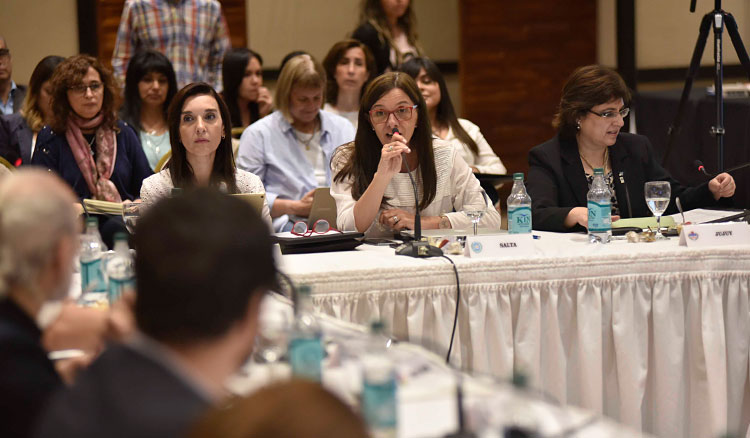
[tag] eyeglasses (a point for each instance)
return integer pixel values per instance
(4, 53)
(612, 114)
(95, 87)
(321, 226)
(402, 113)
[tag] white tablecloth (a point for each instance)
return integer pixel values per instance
(653, 335)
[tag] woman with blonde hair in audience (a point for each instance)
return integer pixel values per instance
(291, 148)
(150, 85)
(372, 186)
(246, 97)
(349, 68)
(200, 133)
(97, 154)
(388, 28)
(297, 408)
(18, 132)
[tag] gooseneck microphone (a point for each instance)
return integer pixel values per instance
(702, 168)
(415, 248)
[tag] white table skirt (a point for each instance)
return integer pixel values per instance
(653, 335)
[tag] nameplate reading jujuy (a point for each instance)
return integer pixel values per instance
(499, 245)
(726, 233)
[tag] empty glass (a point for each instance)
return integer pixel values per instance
(657, 198)
(475, 205)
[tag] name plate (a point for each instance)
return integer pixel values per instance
(499, 245)
(727, 233)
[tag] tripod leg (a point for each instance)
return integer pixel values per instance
(700, 44)
(734, 34)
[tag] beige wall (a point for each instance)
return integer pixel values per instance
(37, 28)
(276, 27)
(666, 32)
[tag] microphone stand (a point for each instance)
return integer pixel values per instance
(417, 247)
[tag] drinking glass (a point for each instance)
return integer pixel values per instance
(475, 204)
(657, 198)
(130, 213)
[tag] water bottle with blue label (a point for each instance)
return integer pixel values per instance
(306, 340)
(120, 269)
(91, 251)
(599, 209)
(379, 385)
(519, 207)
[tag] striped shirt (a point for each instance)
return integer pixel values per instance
(191, 33)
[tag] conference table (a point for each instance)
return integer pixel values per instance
(654, 335)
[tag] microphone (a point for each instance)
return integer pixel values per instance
(415, 248)
(701, 168)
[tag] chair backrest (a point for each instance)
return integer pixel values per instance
(163, 161)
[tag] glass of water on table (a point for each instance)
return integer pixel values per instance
(657, 198)
(475, 205)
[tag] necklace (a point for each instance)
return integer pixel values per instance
(307, 142)
(156, 146)
(605, 162)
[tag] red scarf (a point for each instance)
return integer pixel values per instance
(96, 174)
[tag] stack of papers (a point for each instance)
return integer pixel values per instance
(94, 206)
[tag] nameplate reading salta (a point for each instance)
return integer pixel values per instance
(727, 233)
(501, 245)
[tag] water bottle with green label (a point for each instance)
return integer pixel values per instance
(92, 249)
(519, 207)
(600, 209)
(120, 269)
(306, 341)
(379, 385)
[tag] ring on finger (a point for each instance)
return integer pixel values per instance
(390, 148)
(396, 219)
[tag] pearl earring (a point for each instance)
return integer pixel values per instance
(578, 125)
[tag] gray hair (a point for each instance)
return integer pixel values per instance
(36, 213)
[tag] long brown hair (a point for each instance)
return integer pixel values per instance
(69, 74)
(179, 167)
(362, 163)
(371, 11)
(41, 74)
(446, 114)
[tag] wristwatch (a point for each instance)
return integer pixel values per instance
(444, 223)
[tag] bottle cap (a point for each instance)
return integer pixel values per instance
(518, 176)
(121, 236)
(92, 221)
(377, 326)
(598, 171)
(304, 289)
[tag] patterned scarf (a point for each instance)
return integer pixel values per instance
(96, 174)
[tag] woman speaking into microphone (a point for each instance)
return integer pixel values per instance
(372, 184)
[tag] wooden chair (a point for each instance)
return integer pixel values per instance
(163, 162)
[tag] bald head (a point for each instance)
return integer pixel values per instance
(36, 217)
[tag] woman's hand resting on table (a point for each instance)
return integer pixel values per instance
(580, 216)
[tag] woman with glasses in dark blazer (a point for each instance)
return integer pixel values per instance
(590, 117)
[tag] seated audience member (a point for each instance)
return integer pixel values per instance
(200, 133)
(461, 133)
(150, 85)
(349, 67)
(591, 114)
(98, 155)
(38, 244)
(297, 408)
(196, 312)
(371, 186)
(11, 95)
(18, 132)
(290, 150)
(389, 29)
(289, 56)
(246, 97)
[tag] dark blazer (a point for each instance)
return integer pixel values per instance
(18, 96)
(27, 376)
(124, 393)
(15, 139)
(557, 181)
(131, 165)
(369, 36)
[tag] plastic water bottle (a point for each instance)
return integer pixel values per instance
(91, 251)
(379, 385)
(306, 340)
(519, 207)
(600, 209)
(120, 269)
